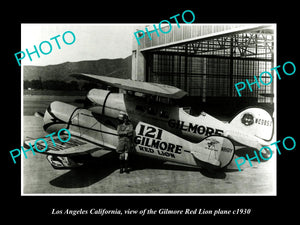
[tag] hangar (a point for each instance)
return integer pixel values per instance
(206, 60)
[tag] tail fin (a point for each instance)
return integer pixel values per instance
(255, 121)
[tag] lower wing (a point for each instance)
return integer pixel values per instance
(63, 154)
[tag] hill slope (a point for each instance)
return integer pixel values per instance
(120, 68)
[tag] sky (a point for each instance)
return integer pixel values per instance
(92, 42)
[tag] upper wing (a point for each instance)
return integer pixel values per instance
(75, 146)
(139, 86)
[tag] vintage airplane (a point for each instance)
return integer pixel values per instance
(162, 129)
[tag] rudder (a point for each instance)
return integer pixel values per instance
(255, 121)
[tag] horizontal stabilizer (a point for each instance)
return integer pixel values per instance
(215, 150)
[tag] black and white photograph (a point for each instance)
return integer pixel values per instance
(141, 111)
(149, 109)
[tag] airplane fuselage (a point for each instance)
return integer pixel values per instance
(162, 130)
(175, 120)
(166, 116)
(155, 136)
(149, 140)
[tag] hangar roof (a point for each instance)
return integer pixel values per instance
(201, 33)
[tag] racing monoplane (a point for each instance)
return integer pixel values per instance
(163, 130)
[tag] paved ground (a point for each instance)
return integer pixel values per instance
(148, 177)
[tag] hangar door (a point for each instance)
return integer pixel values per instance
(210, 68)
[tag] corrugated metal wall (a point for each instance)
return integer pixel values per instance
(178, 34)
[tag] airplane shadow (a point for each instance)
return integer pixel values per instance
(147, 163)
(86, 175)
(242, 152)
(100, 168)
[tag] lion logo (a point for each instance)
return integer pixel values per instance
(247, 119)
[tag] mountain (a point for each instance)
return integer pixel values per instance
(120, 68)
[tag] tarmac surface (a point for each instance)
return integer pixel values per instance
(148, 176)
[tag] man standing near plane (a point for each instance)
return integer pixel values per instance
(125, 132)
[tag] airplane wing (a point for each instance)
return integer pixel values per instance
(138, 86)
(75, 146)
(62, 155)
